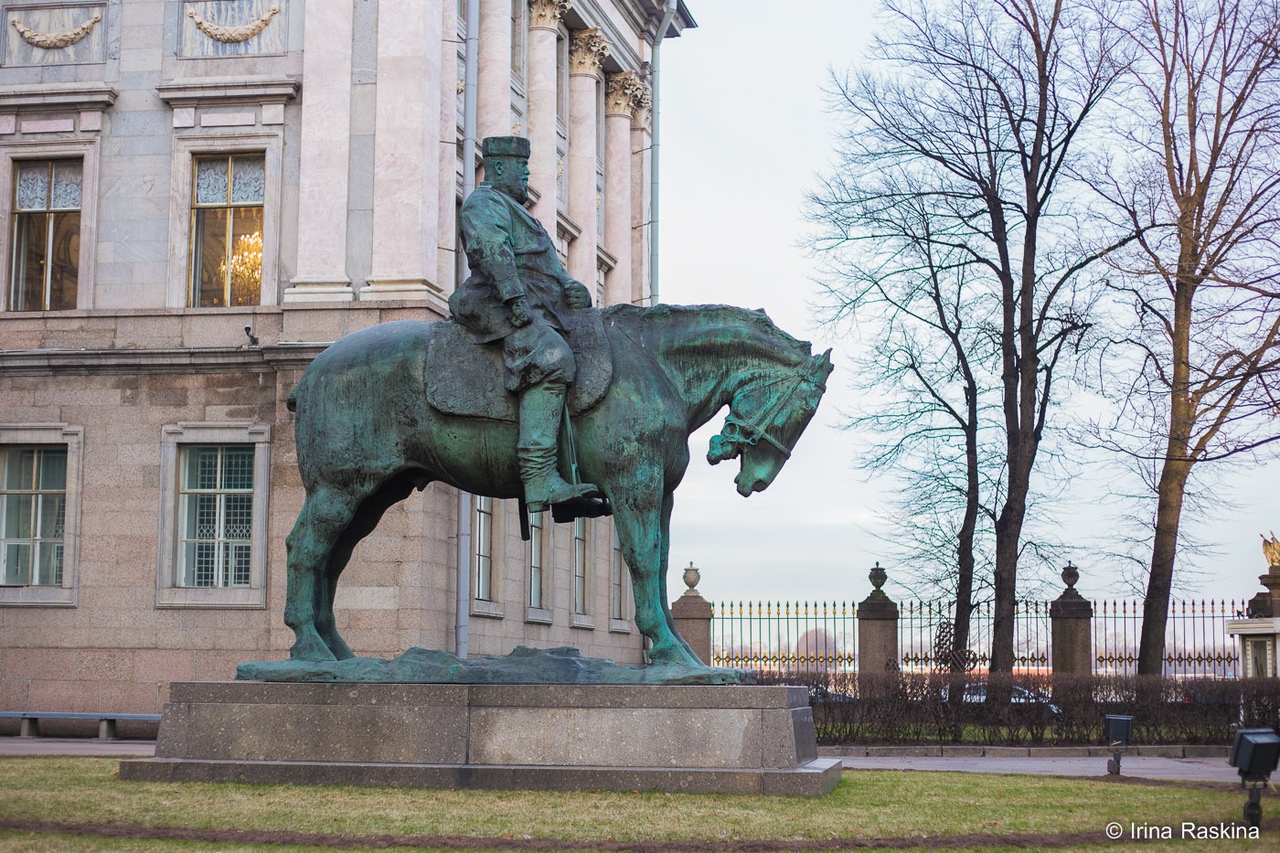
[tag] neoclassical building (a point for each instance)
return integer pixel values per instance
(199, 196)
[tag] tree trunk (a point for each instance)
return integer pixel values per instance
(1155, 610)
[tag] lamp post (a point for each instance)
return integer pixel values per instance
(1118, 731)
(1255, 754)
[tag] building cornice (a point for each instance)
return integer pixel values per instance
(85, 97)
(230, 90)
(169, 360)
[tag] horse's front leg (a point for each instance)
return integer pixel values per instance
(664, 597)
(638, 520)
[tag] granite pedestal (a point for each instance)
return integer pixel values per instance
(726, 738)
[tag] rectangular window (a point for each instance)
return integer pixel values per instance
(33, 507)
(519, 34)
(537, 560)
(482, 547)
(562, 78)
(581, 564)
(617, 582)
(215, 539)
(228, 191)
(45, 269)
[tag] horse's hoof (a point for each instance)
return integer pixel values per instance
(312, 649)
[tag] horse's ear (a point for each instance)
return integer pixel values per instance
(824, 361)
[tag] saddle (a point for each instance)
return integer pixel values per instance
(464, 377)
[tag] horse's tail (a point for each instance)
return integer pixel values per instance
(291, 402)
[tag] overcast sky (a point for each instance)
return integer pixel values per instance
(744, 134)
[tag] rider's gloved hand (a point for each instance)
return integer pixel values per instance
(576, 295)
(520, 313)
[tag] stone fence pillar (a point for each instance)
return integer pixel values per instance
(692, 615)
(877, 631)
(1071, 615)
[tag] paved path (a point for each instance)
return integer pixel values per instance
(74, 746)
(1144, 767)
(1196, 769)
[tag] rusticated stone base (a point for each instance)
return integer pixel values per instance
(732, 738)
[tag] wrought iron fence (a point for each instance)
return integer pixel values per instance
(1196, 639)
(784, 637)
(803, 637)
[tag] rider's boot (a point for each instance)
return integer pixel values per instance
(541, 409)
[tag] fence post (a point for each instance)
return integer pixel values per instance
(877, 633)
(1072, 633)
(692, 615)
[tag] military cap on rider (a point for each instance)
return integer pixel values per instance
(505, 146)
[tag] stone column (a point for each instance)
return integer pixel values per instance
(493, 93)
(544, 20)
(1071, 616)
(323, 153)
(692, 616)
(406, 174)
(877, 636)
(621, 96)
(587, 52)
(640, 137)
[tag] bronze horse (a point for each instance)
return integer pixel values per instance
(367, 437)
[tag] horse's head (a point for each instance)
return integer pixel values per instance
(766, 418)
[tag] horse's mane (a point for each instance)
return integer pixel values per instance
(702, 316)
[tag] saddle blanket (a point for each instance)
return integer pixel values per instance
(464, 377)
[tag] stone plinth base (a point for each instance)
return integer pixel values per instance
(733, 738)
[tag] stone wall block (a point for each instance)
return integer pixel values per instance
(163, 665)
(130, 697)
(41, 663)
(106, 664)
(77, 697)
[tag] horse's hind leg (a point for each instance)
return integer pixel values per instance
(363, 522)
(325, 515)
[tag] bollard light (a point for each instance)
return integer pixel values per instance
(1255, 754)
(1118, 731)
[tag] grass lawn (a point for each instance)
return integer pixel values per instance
(892, 806)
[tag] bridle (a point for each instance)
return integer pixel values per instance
(738, 431)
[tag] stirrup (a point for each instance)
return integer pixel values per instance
(567, 511)
(568, 493)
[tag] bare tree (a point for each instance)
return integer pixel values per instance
(954, 220)
(1200, 180)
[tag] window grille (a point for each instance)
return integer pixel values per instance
(216, 511)
(482, 547)
(33, 501)
(537, 567)
(580, 564)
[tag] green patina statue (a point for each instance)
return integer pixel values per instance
(393, 407)
(521, 294)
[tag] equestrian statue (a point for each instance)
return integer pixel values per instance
(530, 393)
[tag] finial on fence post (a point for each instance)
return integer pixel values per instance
(692, 614)
(691, 577)
(1071, 634)
(877, 635)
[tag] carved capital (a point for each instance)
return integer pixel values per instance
(643, 112)
(229, 35)
(623, 93)
(588, 50)
(547, 13)
(53, 41)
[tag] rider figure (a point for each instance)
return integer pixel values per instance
(520, 293)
